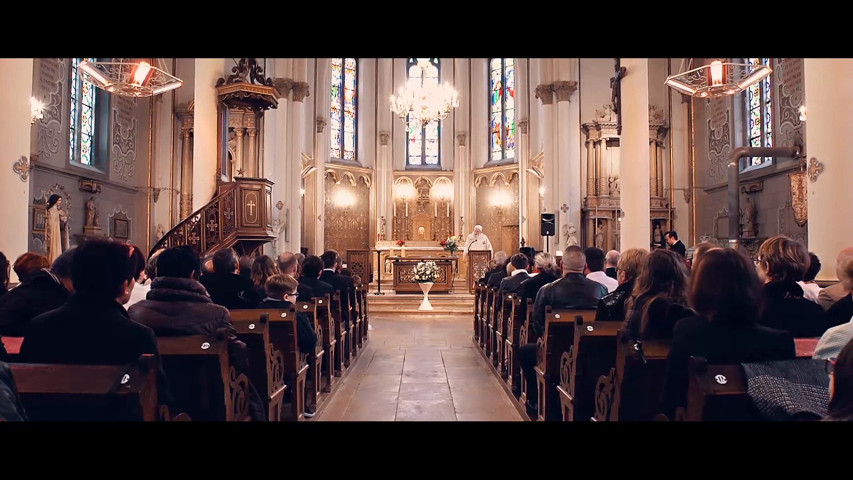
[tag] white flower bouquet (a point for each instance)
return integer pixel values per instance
(425, 272)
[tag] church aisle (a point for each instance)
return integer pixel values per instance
(419, 367)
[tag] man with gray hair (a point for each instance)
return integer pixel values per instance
(500, 260)
(611, 260)
(573, 291)
(477, 241)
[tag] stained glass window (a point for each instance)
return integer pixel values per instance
(759, 119)
(422, 145)
(501, 108)
(81, 122)
(343, 108)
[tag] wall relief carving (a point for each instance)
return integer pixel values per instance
(52, 74)
(124, 138)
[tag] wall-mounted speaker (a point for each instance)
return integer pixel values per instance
(547, 224)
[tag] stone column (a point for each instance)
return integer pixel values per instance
(237, 163)
(17, 75)
(294, 167)
(186, 167)
(523, 186)
(653, 165)
(828, 141)
(568, 176)
(205, 130)
(279, 118)
(635, 188)
(250, 168)
(546, 96)
(462, 187)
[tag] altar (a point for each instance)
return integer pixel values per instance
(403, 268)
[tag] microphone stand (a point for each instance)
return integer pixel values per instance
(379, 268)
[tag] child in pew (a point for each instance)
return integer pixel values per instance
(281, 293)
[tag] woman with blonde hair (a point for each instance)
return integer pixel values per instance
(611, 307)
(782, 262)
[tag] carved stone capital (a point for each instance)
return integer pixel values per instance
(522, 125)
(300, 91)
(321, 124)
(564, 89)
(460, 137)
(283, 85)
(545, 94)
(383, 138)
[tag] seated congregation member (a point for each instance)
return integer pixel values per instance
(830, 295)
(840, 371)
(500, 260)
(611, 263)
(659, 297)
(225, 285)
(310, 279)
(263, 267)
(573, 291)
(501, 272)
(512, 283)
(545, 271)
(341, 283)
(300, 260)
(611, 307)
(179, 305)
(5, 269)
(92, 327)
(834, 339)
(811, 289)
(246, 262)
(280, 295)
(725, 293)
(841, 311)
(288, 264)
(29, 263)
(43, 291)
(595, 268)
(698, 251)
(143, 283)
(783, 261)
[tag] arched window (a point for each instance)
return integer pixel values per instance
(81, 121)
(501, 109)
(344, 108)
(758, 111)
(422, 145)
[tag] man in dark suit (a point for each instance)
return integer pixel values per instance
(675, 244)
(499, 260)
(573, 291)
(310, 279)
(512, 283)
(341, 283)
(611, 260)
(226, 286)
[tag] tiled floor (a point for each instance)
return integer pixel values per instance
(419, 367)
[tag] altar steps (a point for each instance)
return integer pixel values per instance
(408, 303)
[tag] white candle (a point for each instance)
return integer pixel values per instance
(407, 209)
(435, 208)
(448, 209)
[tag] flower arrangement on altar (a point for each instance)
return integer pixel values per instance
(451, 244)
(400, 243)
(425, 272)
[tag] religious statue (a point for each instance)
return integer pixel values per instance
(749, 215)
(56, 228)
(421, 233)
(569, 238)
(91, 213)
(657, 236)
(599, 235)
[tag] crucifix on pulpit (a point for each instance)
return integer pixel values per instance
(616, 96)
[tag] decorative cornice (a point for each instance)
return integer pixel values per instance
(321, 124)
(283, 86)
(522, 125)
(383, 138)
(545, 94)
(564, 89)
(460, 137)
(300, 91)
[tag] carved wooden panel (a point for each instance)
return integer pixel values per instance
(478, 265)
(358, 262)
(347, 206)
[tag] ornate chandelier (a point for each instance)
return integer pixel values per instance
(130, 79)
(422, 100)
(718, 79)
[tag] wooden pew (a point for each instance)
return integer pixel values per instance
(315, 358)
(59, 392)
(477, 291)
(513, 326)
(266, 363)
(283, 337)
(557, 338)
(341, 352)
(492, 312)
(524, 334)
(633, 389)
(355, 325)
(365, 324)
(805, 347)
(202, 379)
(716, 393)
(592, 355)
(323, 310)
(502, 321)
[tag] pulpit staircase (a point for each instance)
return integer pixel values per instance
(239, 216)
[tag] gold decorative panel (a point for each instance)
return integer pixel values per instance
(497, 208)
(423, 208)
(347, 208)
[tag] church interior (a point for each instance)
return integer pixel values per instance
(393, 163)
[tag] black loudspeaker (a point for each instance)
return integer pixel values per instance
(547, 224)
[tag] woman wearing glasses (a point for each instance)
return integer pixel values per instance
(840, 372)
